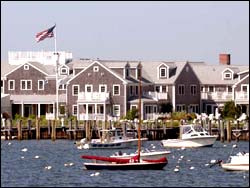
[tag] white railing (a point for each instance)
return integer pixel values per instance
(93, 96)
(156, 95)
(217, 95)
(154, 116)
(241, 95)
(1, 90)
(50, 116)
(83, 116)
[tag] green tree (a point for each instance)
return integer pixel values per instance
(132, 114)
(230, 110)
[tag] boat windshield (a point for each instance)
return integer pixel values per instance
(198, 128)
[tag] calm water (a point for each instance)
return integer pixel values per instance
(22, 169)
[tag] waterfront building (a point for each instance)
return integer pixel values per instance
(104, 89)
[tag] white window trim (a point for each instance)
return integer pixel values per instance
(73, 90)
(183, 89)
(244, 85)
(118, 90)
(196, 106)
(116, 105)
(181, 106)
(163, 68)
(195, 89)
(227, 78)
(101, 85)
(26, 67)
(13, 85)
(64, 68)
(73, 106)
(95, 68)
(26, 84)
(208, 88)
(89, 85)
(63, 87)
(38, 85)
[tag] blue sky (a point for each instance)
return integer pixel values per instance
(167, 31)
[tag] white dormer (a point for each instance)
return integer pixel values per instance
(64, 70)
(227, 74)
(126, 71)
(138, 71)
(162, 71)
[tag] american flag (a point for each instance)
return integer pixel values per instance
(48, 33)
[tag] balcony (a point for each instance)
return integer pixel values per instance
(217, 96)
(84, 116)
(156, 95)
(241, 97)
(93, 97)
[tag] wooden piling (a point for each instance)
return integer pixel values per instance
(49, 128)
(75, 129)
(10, 128)
(53, 131)
(38, 128)
(29, 128)
(222, 136)
(228, 131)
(19, 130)
(210, 127)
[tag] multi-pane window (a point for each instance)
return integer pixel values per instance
(227, 76)
(26, 84)
(211, 88)
(180, 107)
(74, 109)
(194, 108)
(163, 72)
(102, 88)
(11, 84)
(193, 89)
(157, 88)
(62, 87)
(181, 89)
(75, 90)
(116, 110)
(229, 89)
(40, 84)
(116, 89)
(136, 90)
(164, 89)
(88, 88)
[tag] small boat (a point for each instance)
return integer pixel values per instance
(145, 154)
(238, 162)
(111, 163)
(191, 135)
(110, 139)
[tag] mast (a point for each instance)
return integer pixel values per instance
(139, 111)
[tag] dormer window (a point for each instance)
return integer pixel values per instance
(26, 67)
(127, 72)
(227, 76)
(138, 73)
(163, 72)
(64, 70)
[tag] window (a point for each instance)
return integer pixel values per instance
(11, 84)
(75, 90)
(127, 72)
(74, 110)
(136, 90)
(163, 72)
(131, 90)
(88, 88)
(26, 84)
(116, 90)
(26, 67)
(116, 110)
(181, 89)
(96, 68)
(211, 88)
(133, 107)
(62, 87)
(102, 88)
(227, 76)
(40, 84)
(157, 88)
(193, 108)
(244, 88)
(64, 70)
(180, 107)
(193, 89)
(164, 89)
(202, 88)
(229, 89)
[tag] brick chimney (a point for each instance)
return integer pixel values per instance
(224, 59)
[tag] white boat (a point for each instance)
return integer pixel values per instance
(191, 136)
(110, 139)
(144, 154)
(238, 162)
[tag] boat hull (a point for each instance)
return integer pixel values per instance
(190, 142)
(127, 166)
(235, 167)
(150, 155)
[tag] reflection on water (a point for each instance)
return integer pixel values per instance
(35, 163)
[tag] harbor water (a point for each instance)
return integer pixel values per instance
(44, 163)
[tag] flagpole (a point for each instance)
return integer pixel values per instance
(57, 103)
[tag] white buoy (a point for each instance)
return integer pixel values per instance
(153, 147)
(92, 174)
(224, 145)
(37, 157)
(176, 170)
(182, 157)
(213, 161)
(71, 164)
(24, 149)
(97, 173)
(173, 156)
(206, 164)
(234, 146)
(188, 160)
(183, 148)
(191, 168)
(22, 157)
(177, 166)
(9, 143)
(49, 167)
(66, 164)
